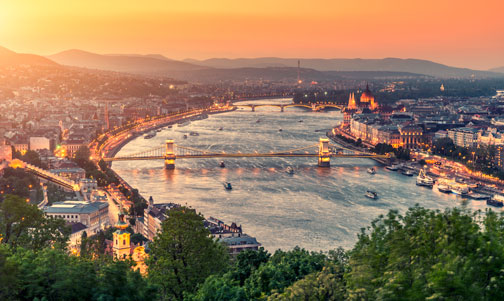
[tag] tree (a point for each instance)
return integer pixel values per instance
(22, 224)
(8, 274)
(283, 269)
(218, 288)
(247, 262)
(184, 254)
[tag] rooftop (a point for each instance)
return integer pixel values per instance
(76, 207)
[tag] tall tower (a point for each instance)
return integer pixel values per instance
(351, 102)
(107, 120)
(299, 81)
(121, 240)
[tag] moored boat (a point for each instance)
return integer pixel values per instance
(444, 188)
(194, 134)
(497, 200)
(478, 196)
(392, 167)
(150, 135)
(407, 173)
(424, 180)
(460, 190)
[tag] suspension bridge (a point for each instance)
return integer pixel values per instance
(314, 106)
(170, 151)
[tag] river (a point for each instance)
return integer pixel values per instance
(315, 208)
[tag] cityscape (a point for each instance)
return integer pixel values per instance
(253, 151)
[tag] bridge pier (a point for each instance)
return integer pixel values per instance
(253, 108)
(281, 108)
(169, 156)
(324, 159)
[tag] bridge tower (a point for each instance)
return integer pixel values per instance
(281, 108)
(324, 159)
(253, 108)
(169, 157)
(314, 107)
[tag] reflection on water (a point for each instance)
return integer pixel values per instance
(315, 208)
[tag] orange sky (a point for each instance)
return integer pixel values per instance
(465, 33)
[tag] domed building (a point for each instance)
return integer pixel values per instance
(367, 99)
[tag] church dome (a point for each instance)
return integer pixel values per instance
(367, 96)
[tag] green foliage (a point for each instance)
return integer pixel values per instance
(22, 224)
(8, 274)
(18, 182)
(31, 157)
(429, 254)
(218, 288)
(51, 274)
(246, 262)
(283, 269)
(184, 254)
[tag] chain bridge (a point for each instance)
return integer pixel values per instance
(170, 151)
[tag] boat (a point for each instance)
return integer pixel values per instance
(194, 134)
(159, 130)
(497, 200)
(371, 194)
(444, 188)
(185, 136)
(300, 121)
(424, 180)
(407, 173)
(478, 196)
(392, 167)
(371, 170)
(280, 130)
(289, 170)
(222, 165)
(258, 120)
(170, 126)
(150, 135)
(227, 185)
(184, 123)
(221, 128)
(460, 190)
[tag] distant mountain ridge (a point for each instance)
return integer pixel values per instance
(387, 64)
(499, 69)
(11, 58)
(139, 64)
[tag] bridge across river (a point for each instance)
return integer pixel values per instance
(314, 106)
(169, 152)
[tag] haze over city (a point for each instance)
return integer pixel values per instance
(251, 150)
(458, 33)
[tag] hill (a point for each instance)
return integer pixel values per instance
(11, 58)
(139, 64)
(388, 64)
(499, 69)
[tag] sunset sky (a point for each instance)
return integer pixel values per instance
(460, 33)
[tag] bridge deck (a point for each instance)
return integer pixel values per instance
(238, 155)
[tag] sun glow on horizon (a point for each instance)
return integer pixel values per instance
(450, 32)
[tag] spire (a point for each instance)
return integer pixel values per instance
(351, 102)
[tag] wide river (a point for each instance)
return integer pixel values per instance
(315, 208)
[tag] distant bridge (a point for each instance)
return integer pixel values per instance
(46, 175)
(314, 107)
(170, 152)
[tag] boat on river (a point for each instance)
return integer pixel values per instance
(460, 190)
(423, 179)
(289, 170)
(392, 167)
(371, 170)
(478, 196)
(407, 173)
(371, 194)
(222, 165)
(227, 185)
(150, 135)
(194, 133)
(444, 188)
(497, 200)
